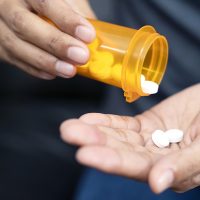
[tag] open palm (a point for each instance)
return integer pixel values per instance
(123, 145)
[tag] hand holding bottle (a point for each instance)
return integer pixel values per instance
(37, 47)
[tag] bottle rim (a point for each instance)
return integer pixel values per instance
(140, 45)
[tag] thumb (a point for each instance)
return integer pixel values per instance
(177, 167)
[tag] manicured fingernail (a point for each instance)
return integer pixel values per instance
(78, 54)
(64, 69)
(84, 33)
(165, 180)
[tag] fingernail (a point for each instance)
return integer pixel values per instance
(84, 33)
(165, 180)
(78, 54)
(64, 69)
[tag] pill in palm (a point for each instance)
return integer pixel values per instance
(174, 135)
(160, 139)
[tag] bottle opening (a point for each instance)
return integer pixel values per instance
(155, 60)
(147, 55)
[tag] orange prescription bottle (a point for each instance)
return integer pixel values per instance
(120, 55)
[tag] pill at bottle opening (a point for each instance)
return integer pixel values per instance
(142, 78)
(160, 139)
(149, 87)
(174, 135)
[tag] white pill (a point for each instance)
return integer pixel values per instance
(160, 139)
(174, 135)
(142, 78)
(149, 87)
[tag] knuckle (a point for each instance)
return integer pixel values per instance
(17, 22)
(4, 6)
(65, 41)
(42, 5)
(59, 44)
(8, 41)
(70, 21)
(53, 43)
(47, 63)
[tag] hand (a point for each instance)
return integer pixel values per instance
(123, 145)
(38, 47)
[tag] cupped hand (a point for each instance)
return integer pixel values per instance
(38, 47)
(122, 145)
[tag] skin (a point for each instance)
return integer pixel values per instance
(39, 47)
(114, 144)
(122, 145)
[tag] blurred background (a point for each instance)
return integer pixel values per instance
(34, 162)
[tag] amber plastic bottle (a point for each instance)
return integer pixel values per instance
(120, 55)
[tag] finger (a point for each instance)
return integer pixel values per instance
(187, 185)
(175, 168)
(3, 55)
(80, 133)
(134, 161)
(31, 70)
(35, 30)
(34, 56)
(62, 14)
(113, 121)
(83, 8)
(123, 135)
(117, 161)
